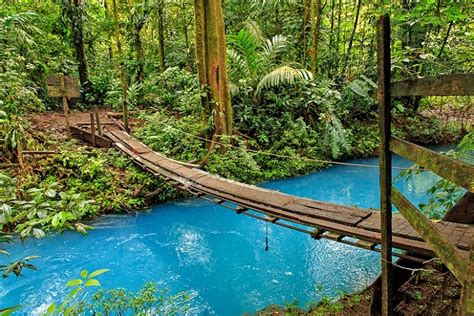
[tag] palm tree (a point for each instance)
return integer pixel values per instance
(254, 59)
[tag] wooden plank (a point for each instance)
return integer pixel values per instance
(446, 85)
(365, 244)
(418, 247)
(279, 200)
(447, 167)
(385, 118)
(333, 236)
(87, 136)
(130, 142)
(445, 250)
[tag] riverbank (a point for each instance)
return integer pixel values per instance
(428, 289)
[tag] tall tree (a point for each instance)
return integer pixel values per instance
(315, 30)
(75, 11)
(123, 75)
(212, 64)
(161, 35)
(138, 17)
(351, 39)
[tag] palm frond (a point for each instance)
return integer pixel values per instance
(273, 3)
(283, 75)
(238, 67)
(253, 28)
(244, 42)
(274, 45)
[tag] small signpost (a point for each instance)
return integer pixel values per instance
(64, 87)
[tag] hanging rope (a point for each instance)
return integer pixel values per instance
(266, 236)
(259, 152)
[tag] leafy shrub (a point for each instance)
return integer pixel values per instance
(175, 137)
(74, 185)
(235, 162)
(150, 300)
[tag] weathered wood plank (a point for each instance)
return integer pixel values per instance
(87, 136)
(440, 244)
(447, 167)
(447, 85)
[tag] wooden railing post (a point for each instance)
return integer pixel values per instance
(65, 105)
(384, 103)
(93, 129)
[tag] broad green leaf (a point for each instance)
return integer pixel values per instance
(55, 220)
(92, 282)
(8, 311)
(38, 233)
(50, 193)
(51, 308)
(75, 282)
(97, 272)
(84, 274)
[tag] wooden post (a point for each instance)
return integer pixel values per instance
(97, 118)
(93, 129)
(65, 105)
(384, 102)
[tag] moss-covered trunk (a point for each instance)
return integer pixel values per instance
(78, 38)
(211, 60)
(123, 75)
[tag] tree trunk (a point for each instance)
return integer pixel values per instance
(107, 15)
(211, 60)
(315, 30)
(304, 31)
(78, 38)
(331, 39)
(161, 37)
(351, 39)
(123, 75)
(277, 20)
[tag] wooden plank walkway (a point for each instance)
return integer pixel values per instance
(350, 225)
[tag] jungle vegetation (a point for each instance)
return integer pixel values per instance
(251, 90)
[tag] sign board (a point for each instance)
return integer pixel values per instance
(55, 88)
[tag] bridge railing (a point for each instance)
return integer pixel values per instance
(446, 167)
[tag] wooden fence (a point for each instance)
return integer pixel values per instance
(447, 167)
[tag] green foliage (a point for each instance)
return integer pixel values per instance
(254, 60)
(235, 162)
(444, 194)
(175, 137)
(74, 304)
(149, 300)
(15, 267)
(74, 185)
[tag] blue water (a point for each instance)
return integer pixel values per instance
(213, 253)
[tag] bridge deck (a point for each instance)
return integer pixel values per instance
(351, 225)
